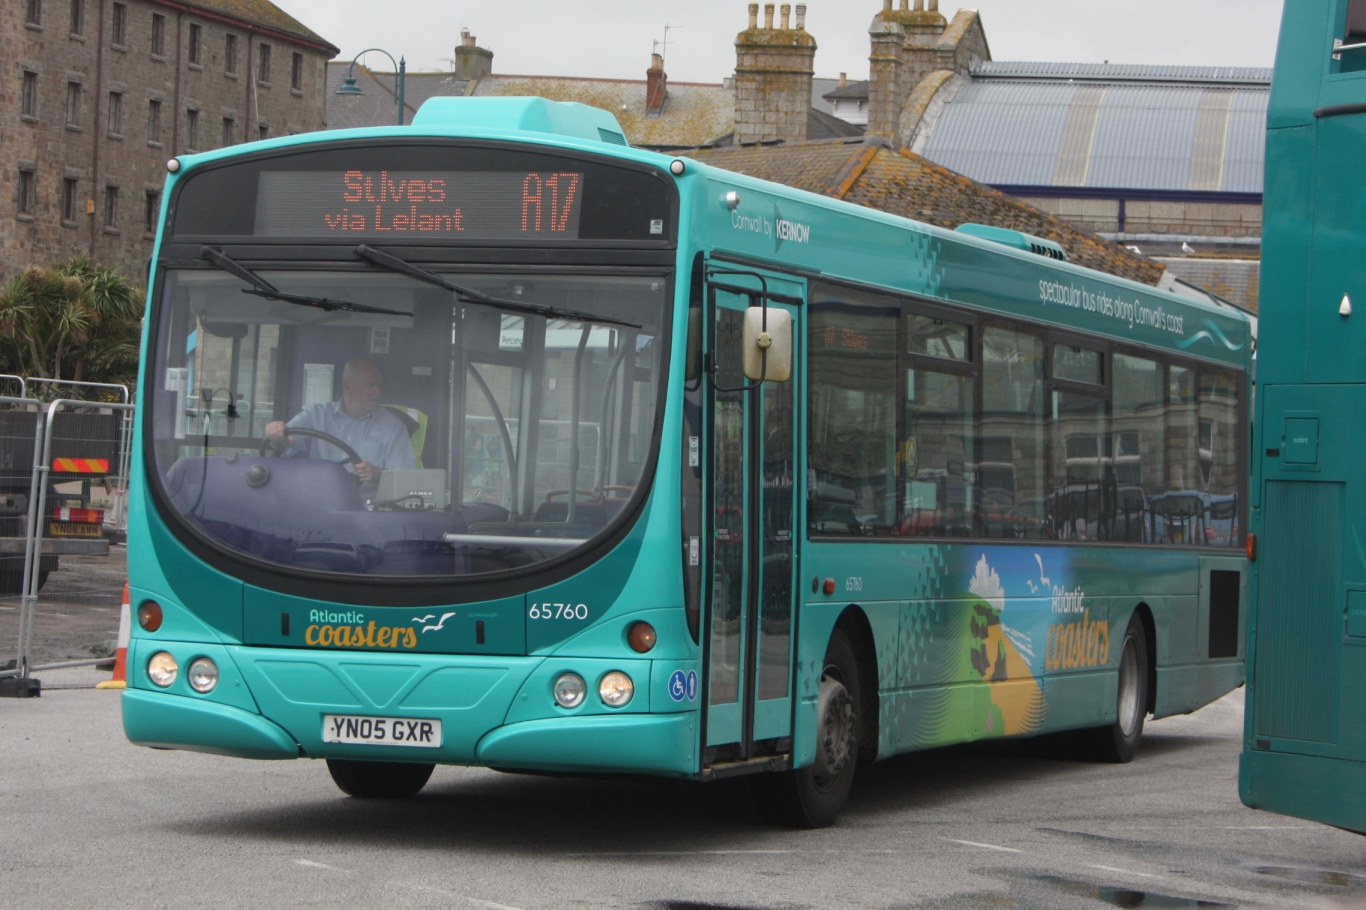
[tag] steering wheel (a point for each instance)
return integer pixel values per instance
(352, 456)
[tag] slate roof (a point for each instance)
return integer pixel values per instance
(263, 13)
(376, 107)
(694, 114)
(870, 173)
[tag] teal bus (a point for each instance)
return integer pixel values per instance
(491, 440)
(1304, 751)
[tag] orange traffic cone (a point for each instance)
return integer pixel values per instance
(120, 678)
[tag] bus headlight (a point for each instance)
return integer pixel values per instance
(616, 689)
(202, 675)
(162, 669)
(570, 690)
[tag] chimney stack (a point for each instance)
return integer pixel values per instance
(471, 61)
(773, 73)
(905, 49)
(656, 85)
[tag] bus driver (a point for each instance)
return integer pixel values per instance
(377, 435)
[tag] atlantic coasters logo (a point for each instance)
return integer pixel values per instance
(351, 630)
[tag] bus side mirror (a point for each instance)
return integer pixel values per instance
(767, 348)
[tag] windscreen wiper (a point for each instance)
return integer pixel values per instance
(465, 295)
(263, 288)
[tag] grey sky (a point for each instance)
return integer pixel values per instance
(614, 38)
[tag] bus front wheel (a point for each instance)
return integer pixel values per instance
(1118, 742)
(379, 779)
(812, 797)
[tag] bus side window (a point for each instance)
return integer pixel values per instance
(1353, 33)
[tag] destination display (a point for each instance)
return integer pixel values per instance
(440, 194)
(440, 205)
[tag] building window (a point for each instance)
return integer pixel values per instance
(229, 131)
(230, 55)
(119, 21)
(196, 44)
(73, 105)
(78, 17)
(296, 73)
(111, 206)
(29, 100)
(34, 14)
(191, 129)
(151, 208)
(154, 121)
(263, 65)
(158, 35)
(28, 184)
(116, 113)
(262, 131)
(70, 186)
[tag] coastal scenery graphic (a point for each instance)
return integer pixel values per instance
(977, 657)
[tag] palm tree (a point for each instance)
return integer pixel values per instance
(75, 320)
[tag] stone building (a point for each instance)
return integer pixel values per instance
(98, 94)
(1165, 160)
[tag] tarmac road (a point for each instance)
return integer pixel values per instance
(93, 821)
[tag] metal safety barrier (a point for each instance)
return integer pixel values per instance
(64, 469)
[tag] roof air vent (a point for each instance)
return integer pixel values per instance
(1015, 240)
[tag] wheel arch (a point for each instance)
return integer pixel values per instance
(853, 622)
(1145, 616)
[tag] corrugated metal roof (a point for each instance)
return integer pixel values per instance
(1120, 72)
(1126, 133)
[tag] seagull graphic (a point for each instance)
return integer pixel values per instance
(437, 627)
(426, 618)
(1043, 579)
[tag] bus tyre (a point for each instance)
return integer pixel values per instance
(812, 797)
(379, 779)
(1118, 742)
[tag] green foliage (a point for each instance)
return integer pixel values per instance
(76, 320)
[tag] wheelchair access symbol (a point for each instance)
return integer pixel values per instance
(683, 686)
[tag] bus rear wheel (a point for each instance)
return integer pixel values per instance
(379, 779)
(1118, 742)
(812, 797)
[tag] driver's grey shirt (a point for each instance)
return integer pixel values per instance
(379, 437)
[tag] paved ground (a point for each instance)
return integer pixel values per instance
(96, 822)
(78, 609)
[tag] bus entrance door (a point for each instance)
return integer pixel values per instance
(1308, 664)
(751, 509)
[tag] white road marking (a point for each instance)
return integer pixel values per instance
(973, 843)
(313, 865)
(1123, 871)
(689, 853)
(478, 902)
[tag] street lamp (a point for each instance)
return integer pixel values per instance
(349, 86)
